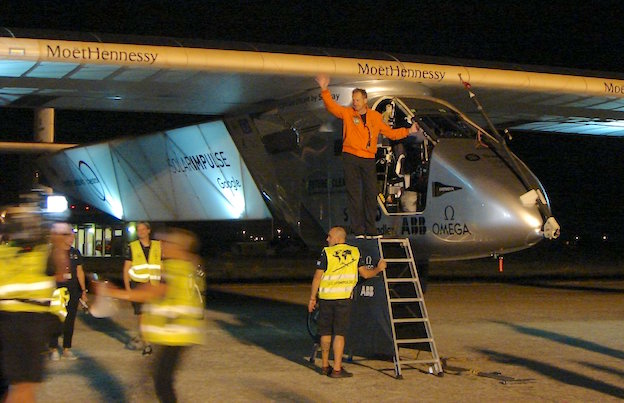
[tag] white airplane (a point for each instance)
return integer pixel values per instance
(461, 194)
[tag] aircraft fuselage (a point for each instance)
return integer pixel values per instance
(459, 198)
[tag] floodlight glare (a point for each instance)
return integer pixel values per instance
(56, 204)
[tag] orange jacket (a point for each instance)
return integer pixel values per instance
(356, 135)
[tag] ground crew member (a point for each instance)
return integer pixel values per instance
(174, 311)
(336, 275)
(27, 303)
(360, 129)
(66, 262)
(142, 266)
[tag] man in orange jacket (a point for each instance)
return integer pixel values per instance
(360, 129)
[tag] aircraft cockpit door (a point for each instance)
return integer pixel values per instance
(402, 165)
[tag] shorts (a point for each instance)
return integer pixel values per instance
(334, 317)
(24, 338)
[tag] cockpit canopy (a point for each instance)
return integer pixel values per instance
(437, 120)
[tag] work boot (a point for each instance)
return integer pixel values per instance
(342, 373)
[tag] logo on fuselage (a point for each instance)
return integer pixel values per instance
(450, 226)
(90, 178)
(413, 226)
(440, 188)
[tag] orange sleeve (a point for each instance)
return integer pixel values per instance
(332, 106)
(393, 134)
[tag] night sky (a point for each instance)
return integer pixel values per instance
(581, 174)
(569, 33)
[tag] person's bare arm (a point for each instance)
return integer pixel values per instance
(316, 282)
(323, 81)
(126, 274)
(142, 293)
(81, 280)
(368, 273)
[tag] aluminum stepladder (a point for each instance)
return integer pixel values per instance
(409, 320)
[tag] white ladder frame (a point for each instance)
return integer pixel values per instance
(436, 367)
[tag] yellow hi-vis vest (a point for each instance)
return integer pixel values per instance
(143, 270)
(341, 275)
(24, 286)
(176, 319)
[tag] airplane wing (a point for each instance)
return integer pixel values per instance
(105, 72)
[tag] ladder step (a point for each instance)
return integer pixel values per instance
(393, 240)
(406, 300)
(408, 362)
(398, 260)
(409, 320)
(394, 300)
(408, 341)
(400, 280)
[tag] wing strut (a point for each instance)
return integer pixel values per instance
(473, 97)
(550, 227)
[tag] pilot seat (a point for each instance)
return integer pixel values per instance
(399, 165)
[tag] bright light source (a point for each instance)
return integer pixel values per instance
(56, 204)
(17, 51)
(116, 207)
(91, 230)
(131, 229)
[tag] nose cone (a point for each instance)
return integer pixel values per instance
(519, 227)
(522, 217)
(507, 220)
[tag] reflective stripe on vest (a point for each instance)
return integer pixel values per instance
(176, 319)
(175, 311)
(24, 286)
(341, 275)
(143, 270)
(17, 290)
(58, 303)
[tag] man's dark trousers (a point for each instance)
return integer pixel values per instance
(361, 183)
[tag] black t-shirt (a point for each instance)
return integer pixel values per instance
(71, 278)
(146, 250)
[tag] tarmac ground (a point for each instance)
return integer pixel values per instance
(555, 341)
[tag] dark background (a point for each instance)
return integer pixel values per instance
(581, 174)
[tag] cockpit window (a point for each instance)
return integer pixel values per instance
(403, 165)
(439, 121)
